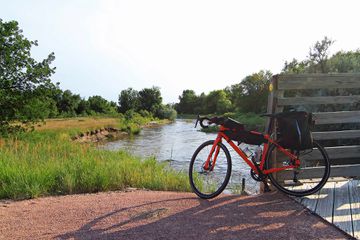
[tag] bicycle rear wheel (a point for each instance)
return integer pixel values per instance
(209, 182)
(309, 178)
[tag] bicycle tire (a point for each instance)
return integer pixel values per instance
(197, 160)
(311, 185)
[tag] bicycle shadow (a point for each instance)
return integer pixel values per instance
(267, 216)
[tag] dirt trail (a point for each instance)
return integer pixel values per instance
(161, 215)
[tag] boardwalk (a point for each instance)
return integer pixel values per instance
(338, 203)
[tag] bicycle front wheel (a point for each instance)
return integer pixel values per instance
(307, 179)
(209, 181)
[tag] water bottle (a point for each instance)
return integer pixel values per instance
(248, 152)
(258, 153)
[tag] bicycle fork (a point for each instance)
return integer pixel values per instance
(210, 163)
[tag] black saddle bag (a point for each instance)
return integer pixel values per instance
(295, 130)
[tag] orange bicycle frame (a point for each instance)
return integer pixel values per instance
(216, 148)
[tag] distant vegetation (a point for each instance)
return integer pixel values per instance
(27, 94)
(146, 102)
(250, 94)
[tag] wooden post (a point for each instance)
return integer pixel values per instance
(271, 108)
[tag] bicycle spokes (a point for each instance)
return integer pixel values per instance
(210, 169)
(303, 175)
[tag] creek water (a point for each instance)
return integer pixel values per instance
(175, 143)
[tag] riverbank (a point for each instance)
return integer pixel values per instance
(46, 162)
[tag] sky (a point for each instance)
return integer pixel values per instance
(105, 46)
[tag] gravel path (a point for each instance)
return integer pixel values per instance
(161, 215)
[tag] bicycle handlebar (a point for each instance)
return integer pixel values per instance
(200, 120)
(213, 120)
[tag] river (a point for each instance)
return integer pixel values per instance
(176, 143)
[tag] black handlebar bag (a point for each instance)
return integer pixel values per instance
(238, 133)
(295, 130)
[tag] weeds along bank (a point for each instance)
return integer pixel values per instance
(46, 162)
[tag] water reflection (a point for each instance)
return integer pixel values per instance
(176, 142)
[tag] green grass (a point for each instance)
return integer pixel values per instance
(46, 162)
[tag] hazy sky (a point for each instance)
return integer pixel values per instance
(103, 47)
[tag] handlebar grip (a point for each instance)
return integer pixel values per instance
(201, 122)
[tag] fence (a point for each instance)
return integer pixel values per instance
(334, 100)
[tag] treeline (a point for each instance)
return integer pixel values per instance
(319, 61)
(67, 104)
(147, 102)
(250, 95)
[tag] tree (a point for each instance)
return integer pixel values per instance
(128, 100)
(68, 103)
(188, 102)
(150, 98)
(165, 112)
(217, 101)
(317, 60)
(200, 107)
(255, 92)
(98, 104)
(25, 85)
(83, 107)
(235, 93)
(318, 55)
(344, 62)
(295, 66)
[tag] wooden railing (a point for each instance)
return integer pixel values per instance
(345, 159)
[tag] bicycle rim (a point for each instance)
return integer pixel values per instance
(309, 178)
(209, 183)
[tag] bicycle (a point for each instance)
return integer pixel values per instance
(294, 163)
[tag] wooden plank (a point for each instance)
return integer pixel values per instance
(279, 108)
(354, 187)
(314, 172)
(318, 81)
(346, 134)
(326, 202)
(289, 101)
(338, 152)
(342, 211)
(352, 170)
(310, 201)
(305, 173)
(337, 117)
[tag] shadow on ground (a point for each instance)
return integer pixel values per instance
(266, 216)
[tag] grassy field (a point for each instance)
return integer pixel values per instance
(46, 162)
(81, 123)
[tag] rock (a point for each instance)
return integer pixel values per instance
(100, 135)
